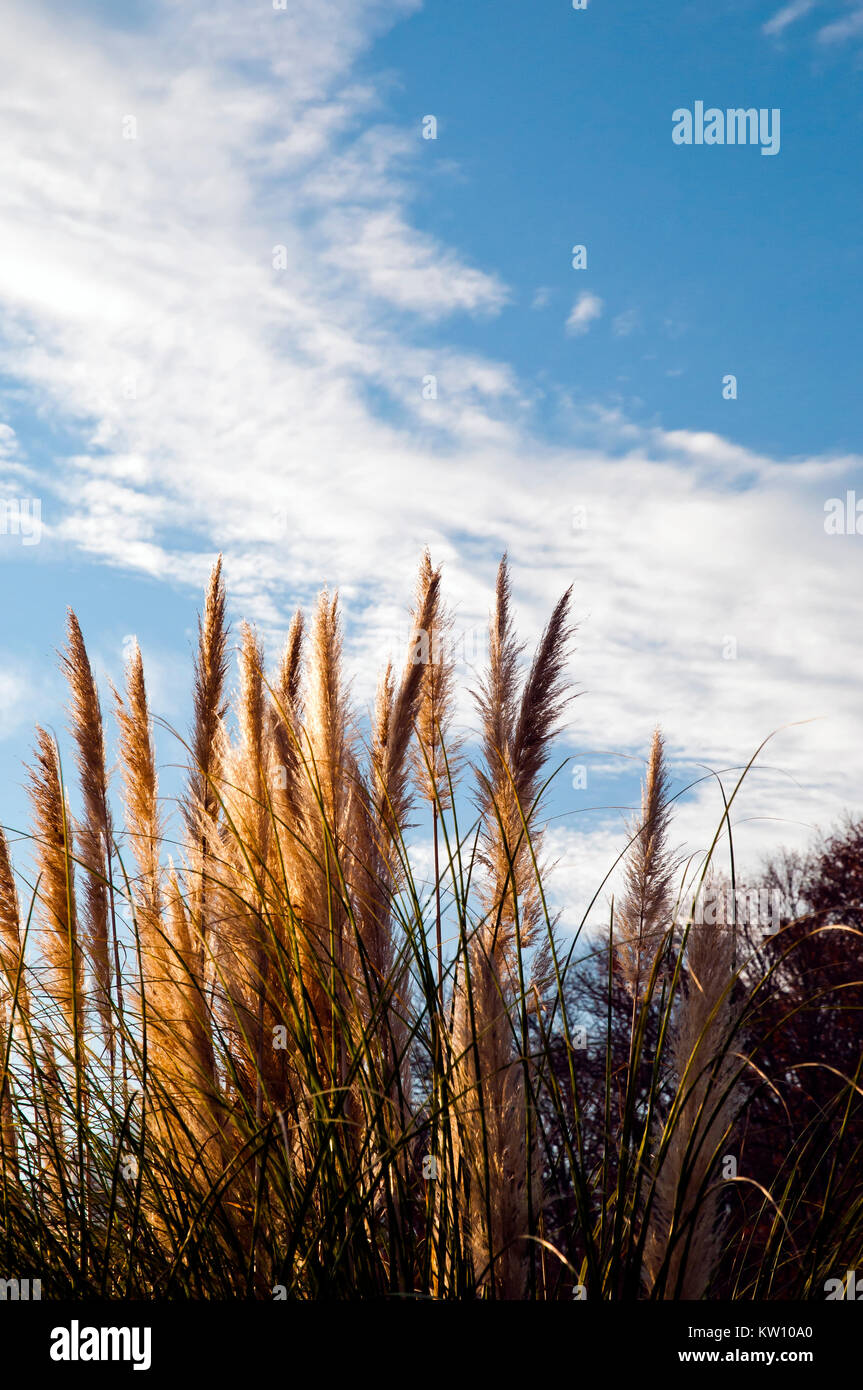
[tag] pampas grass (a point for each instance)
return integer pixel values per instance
(13, 981)
(436, 750)
(495, 1109)
(95, 835)
(644, 916)
(340, 1077)
(200, 806)
(60, 936)
(14, 999)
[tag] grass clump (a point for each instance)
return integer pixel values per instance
(273, 1058)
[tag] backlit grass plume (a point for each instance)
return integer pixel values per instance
(200, 806)
(12, 975)
(644, 915)
(60, 936)
(95, 832)
(495, 1107)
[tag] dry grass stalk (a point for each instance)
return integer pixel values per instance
(436, 752)
(436, 708)
(201, 802)
(494, 1109)
(50, 1130)
(144, 832)
(184, 1054)
(396, 711)
(61, 947)
(179, 1044)
(94, 833)
(382, 817)
(286, 713)
(8, 1133)
(12, 968)
(326, 948)
(245, 925)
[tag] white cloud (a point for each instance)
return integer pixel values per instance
(789, 14)
(585, 310)
(8, 443)
(407, 269)
(842, 29)
(222, 404)
(13, 469)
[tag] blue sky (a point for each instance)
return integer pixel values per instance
(717, 260)
(167, 392)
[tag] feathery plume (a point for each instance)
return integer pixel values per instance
(8, 1133)
(488, 1023)
(53, 836)
(397, 712)
(94, 832)
(201, 802)
(143, 822)
(289, 686)
(327, 953)
(285, 725)
(182, 1044)
(645, 912)
(11, 952)
(327, 713)
(497, 696)
(12, 977)
(436, 754)
(434, 748)
(244, 933)
(49, 1116)
(517, 733)
(252, 765)
(543, 702)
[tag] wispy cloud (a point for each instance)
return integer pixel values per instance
(313, 422)
(789, 14)
(586, 309)
(406, 269)
(843, 29)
